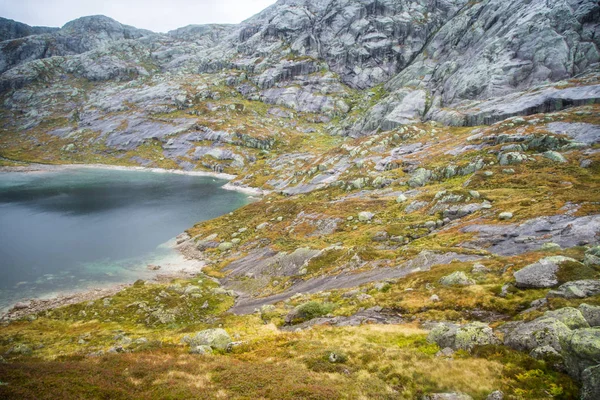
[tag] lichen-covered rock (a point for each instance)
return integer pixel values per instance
(581, 350)
(590, 383)
(20, 349)
(590, 313)
(542, 274)
(217, 339)
(401, 198)
(474, 334)
(511, 158)
(365, 216)
(443, 334)
(479, 269)
(457, 278)
(225, 246)
(555, 156)
(420, 177)
(200, 349)
(463, 337)
(503, 216)
(495, 395)
(577, 289)
(569, 316)
(548, 354)
(592, 256)
(544, 331)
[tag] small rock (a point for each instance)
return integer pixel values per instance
(457, 278)
(445, 352)
(381, 236)
(474, 194)
(495, 395)
(365, 216)
(21, 306)
(503, 216)
(215, 338)
(550, 247)
(434, 298)
(201, 349)
(262, 226)
(401, 198)
(20, 349)
(555, 156)
(592, 257)
(479, 269)
(225, 246)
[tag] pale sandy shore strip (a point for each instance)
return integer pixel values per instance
(218, 175)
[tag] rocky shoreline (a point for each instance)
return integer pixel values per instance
(187, 268)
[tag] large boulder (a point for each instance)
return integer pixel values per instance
(577, 289)
(544, 331)
(457, 278)
(443, 334)
(542, 274)
(555, 156)
(463, 337)
(511, 158)
(571, 317)
(590, 383)
(217, 339)
(420, 177)
(592, 257)
(581, 350)
(590, 313)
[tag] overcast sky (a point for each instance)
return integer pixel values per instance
(156, 15)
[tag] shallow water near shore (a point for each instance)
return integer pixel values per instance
(77, 229)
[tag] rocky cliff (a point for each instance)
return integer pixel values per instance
(428, 163)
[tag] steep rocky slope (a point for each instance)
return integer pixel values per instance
(10, 29)
(430, 172)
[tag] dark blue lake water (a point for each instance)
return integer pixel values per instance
(84, 228)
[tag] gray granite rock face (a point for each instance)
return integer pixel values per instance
(491, 50)
(514, 239)
(477, 58)
(76, 37)
(10, 30)
(582, 132)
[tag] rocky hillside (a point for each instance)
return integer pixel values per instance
(430, 218)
